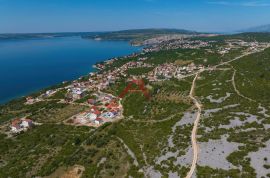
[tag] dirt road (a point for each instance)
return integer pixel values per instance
(195, 128)
(199, 107)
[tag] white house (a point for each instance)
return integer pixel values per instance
(108, 115)
(26, 123)
(19, 125)
(15, 128)
(91, 116)
(98, 121)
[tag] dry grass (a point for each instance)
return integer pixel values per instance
(181, 62)
(116, 156)
(71, 172)
(176, 97)
(41, 160)
(58, 115)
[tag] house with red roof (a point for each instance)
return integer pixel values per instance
(95, 110)
(99, 121)
(18, 125)
(91, 101)
(15, 125)
(112, 105)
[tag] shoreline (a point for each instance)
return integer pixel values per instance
(93, 69)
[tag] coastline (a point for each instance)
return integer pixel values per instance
(93, 69)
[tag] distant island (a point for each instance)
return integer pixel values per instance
(262, 28)
(134, 36)
(24, 36)
(137, 36)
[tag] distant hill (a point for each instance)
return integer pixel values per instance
(127, 35)
(23, 36)
(247, 36)
(263, 28)
(139, 34)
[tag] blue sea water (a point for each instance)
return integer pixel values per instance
(27, 66)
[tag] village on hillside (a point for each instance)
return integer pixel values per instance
(104, 107)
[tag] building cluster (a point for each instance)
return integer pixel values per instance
(170, 70)
(103, 65)
(176, 44)
(236, 44)
(75, 93)
(22, 124)
(30, 100)
(162, 39)
(101, 81)
(133, 64)
(223, 51)
(103, 108)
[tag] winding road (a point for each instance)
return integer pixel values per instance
(195, 146)
(235, 88)
(195, 128)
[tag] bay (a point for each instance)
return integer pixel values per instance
(27, 66)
